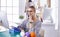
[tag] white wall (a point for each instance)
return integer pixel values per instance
(22, 9)
(0, 5)
(54, 6)
(22, 6)
(59, 17)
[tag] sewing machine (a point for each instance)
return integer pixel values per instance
(3, 21)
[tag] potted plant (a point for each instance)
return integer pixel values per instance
(21, 17)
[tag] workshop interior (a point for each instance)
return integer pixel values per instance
(40, 21)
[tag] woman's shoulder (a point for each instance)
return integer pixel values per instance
(25, 21)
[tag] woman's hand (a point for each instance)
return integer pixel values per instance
(30, 19)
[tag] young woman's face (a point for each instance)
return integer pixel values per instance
(30, 11)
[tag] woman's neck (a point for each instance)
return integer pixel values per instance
(34, 18)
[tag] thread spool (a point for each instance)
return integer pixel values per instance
(22, 33)
(32, 34)
(27, 34)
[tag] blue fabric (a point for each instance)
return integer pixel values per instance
(14, 31)
(11, 31)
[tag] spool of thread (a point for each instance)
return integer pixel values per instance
(22, 34)
(27, 34)
(32, 34)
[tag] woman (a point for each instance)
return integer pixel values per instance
(32, 24)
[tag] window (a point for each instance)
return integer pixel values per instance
(12, 9)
